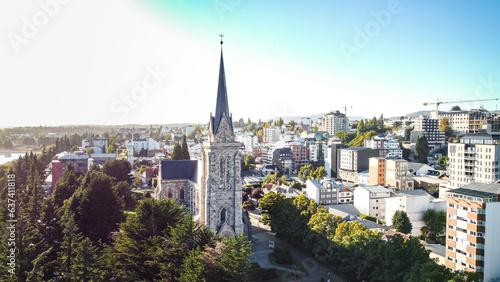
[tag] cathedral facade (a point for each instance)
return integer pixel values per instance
(215, 197)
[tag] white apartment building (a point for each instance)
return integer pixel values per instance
(387, 146)
(334, 122)
(146, 144)
(414, 203)
(249, 141)
(96, 143)
(472, 229)
(474, 159)
(272, 134)
(328, 192)
(460, 121)
(370, 200)
(430, 129)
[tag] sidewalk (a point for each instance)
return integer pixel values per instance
(261, 235)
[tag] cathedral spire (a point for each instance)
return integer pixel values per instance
(222, 106)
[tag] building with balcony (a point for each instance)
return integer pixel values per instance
(387, 146)
(271, 134)
(474, 159)
(334, 122)
(424, 126)
(465, 121)
(472, 229)
(328, 192)
(283, 159)
(300, 154)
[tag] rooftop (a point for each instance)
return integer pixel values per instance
(179, 169)
(376, 189)
(411, 193)
(481, 190)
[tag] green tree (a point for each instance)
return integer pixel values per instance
(185, 149)
(456, 108)
(138, 181)
(436, 221)
(90, 150)
(75, 148)
(249, 159)
(119, 169)
(177, 154)
(315, 128)
(401, 222)
(444, 126)
(95, 208)
(443, 161)
(112, 146)
(422, 149)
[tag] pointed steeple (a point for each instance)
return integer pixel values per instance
(222, 106)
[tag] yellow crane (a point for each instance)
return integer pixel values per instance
(456, 102)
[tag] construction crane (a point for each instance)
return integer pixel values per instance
(345, 116)
(456, 102)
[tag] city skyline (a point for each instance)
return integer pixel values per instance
(155, 62)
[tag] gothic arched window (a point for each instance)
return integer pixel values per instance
(181, 194)
(223, 214)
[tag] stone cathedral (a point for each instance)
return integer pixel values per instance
(210, 189)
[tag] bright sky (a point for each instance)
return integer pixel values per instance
(157, 61)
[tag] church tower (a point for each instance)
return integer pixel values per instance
(220, 198)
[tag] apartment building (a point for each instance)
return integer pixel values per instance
(370, 200)
(271, 134)
(328, 192)
(283, 159)
(332, 155)
(334, 122)
(472, 229)
(465, 121)
(414, 203)
(428, 128)
(387, 146)
(300, 154)
(97, 143)
(353, 160)
(474, 159)
(390, 172)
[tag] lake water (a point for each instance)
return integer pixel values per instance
(7, 157)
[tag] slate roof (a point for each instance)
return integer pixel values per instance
(179, 169)
(222, 106)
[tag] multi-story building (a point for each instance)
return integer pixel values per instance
(390, 172)
(271, 134)
(353, 160)
(328, 192)
(146, 144)
(472, 229)
(249, 141)
(397, 174)
(334, 122)
(332, 159)
(474, 159)
(300, 154)
(414, 203)
(283, 159)
(267, 154)
(428, 128)
(465, 121)
(376, 171)
(386, 146)
(97, 143)
(370, 200)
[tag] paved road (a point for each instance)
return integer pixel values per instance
(261, 235)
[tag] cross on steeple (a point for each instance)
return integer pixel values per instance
(221, 35)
